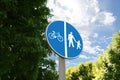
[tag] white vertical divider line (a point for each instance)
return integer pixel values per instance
(65, 38)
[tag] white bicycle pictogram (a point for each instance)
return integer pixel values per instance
(54, 35)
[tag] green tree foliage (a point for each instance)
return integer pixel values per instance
(82, 72)
(47, 71)
(23, 48)
(70, 72)
(108, 65)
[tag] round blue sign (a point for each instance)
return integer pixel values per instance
(64, 39)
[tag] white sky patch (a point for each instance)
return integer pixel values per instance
(82, 12)
(68, 62)
(104, 18)
(94, 50)
(87, 44)
(104, 40)
(57, 62)
(84, 57)
(109, 19)
(95, 35)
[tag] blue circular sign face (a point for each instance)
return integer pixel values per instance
(64, 39)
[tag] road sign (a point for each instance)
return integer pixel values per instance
(64, 39)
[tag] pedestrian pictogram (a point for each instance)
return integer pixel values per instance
(71, 39)
(64, 39)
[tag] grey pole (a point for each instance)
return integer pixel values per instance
(62, 69)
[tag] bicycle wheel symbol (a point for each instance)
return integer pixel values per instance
(60, 38)
(54, 35)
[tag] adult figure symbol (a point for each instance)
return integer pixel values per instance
(71, 39)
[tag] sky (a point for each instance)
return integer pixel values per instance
(96, 21)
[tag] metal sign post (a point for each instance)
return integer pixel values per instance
(62, 69)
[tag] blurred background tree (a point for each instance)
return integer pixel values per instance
(108, 65)
(80, 72)
(23, 48)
